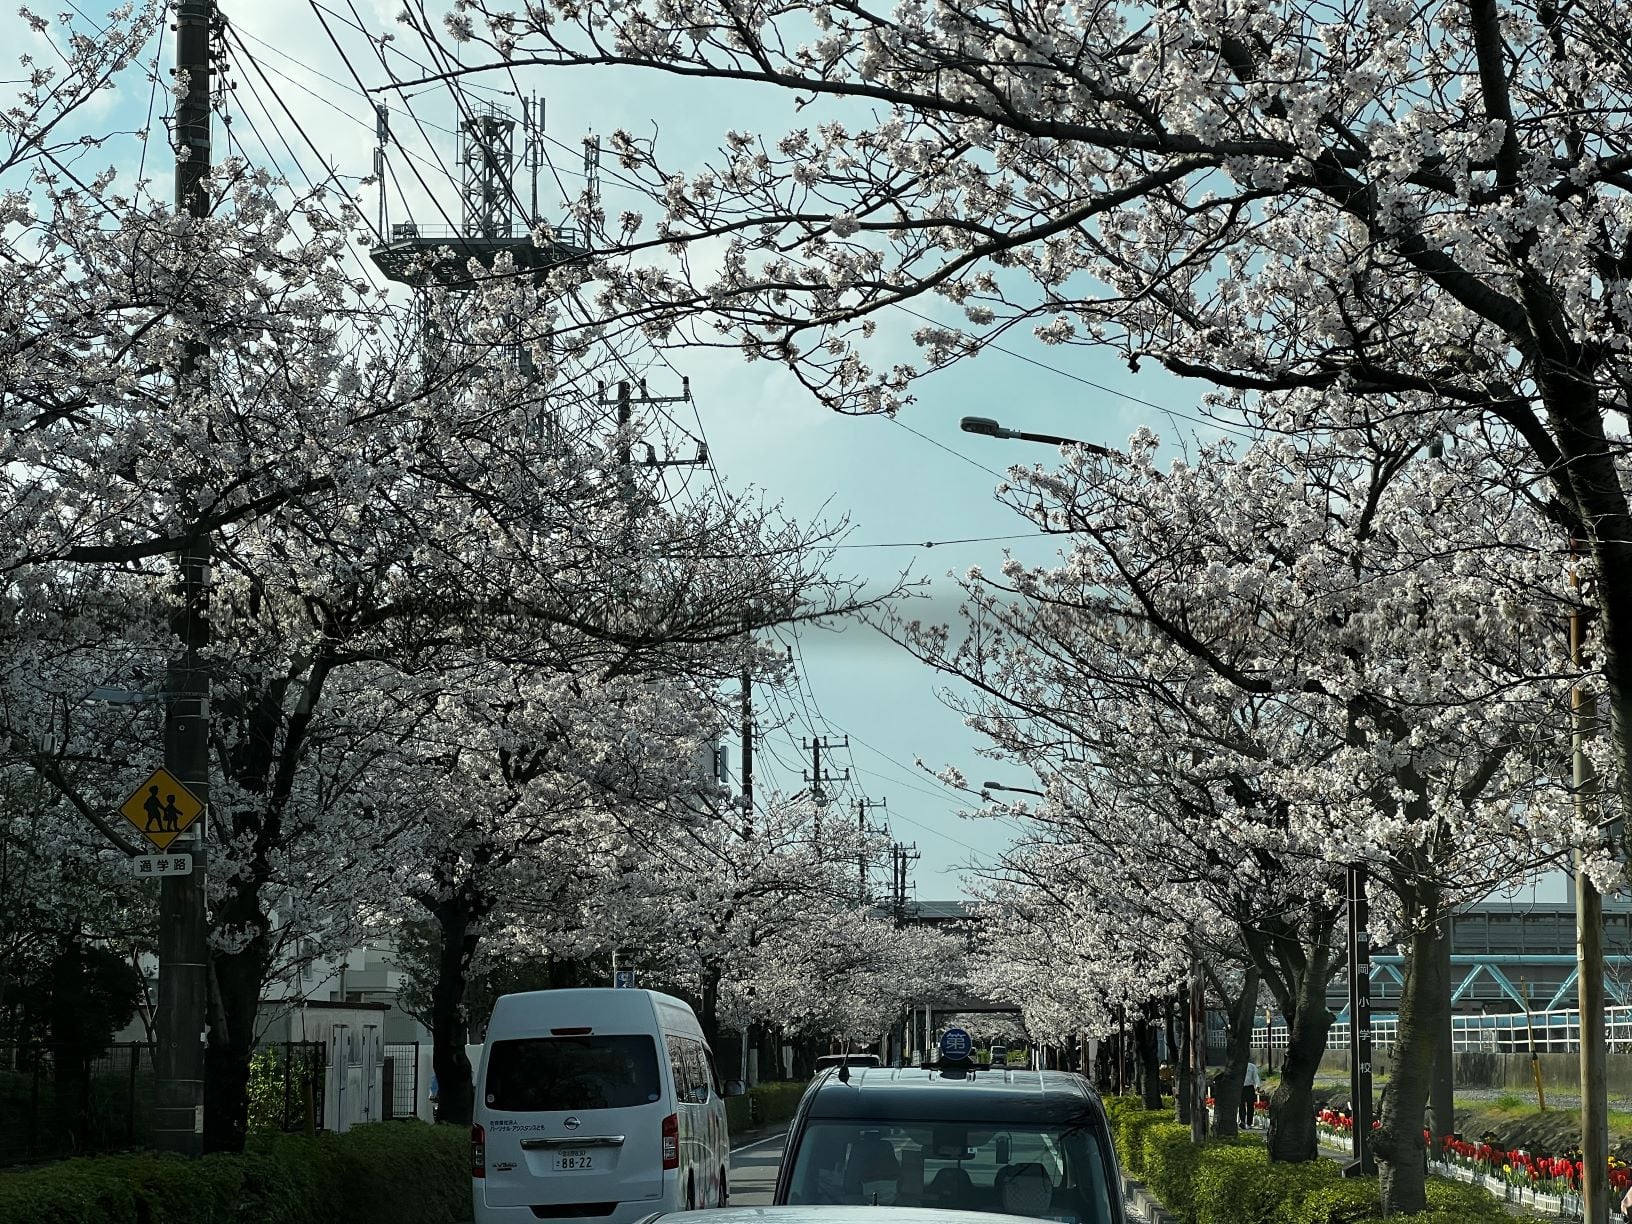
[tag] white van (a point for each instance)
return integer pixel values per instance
(596, 1104)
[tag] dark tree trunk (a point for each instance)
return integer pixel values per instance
(456, 922)
(708, 1016)
(1230, 1087)
(1423, 1003)
(770, 1052)
(1179, 1059)
(1184, 1076)
(235, 1000)
(70, 1053)
(1104, 1067)
(1442, 1091)
(1291, 1135)
(1294, 958)
(1144, 1041)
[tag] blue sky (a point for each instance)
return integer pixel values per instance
(902, 482)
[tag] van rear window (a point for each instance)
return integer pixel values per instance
(535, 1074)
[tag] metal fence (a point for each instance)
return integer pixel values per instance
(399, 1091)
(286, 1086)
(1555, 1032)
(56, 1103)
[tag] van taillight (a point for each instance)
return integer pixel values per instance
(671, 1141)
(478, 1151)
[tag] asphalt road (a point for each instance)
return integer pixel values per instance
(753, 1171)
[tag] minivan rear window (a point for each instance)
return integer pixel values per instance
(1051, 1172)
(536, 1074)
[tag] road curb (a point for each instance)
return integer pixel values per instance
(1136, 1196)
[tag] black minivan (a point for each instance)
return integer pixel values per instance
(1027, 1143)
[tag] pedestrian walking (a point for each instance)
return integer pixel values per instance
(1249, 1092)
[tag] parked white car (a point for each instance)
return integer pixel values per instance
(596, 1103)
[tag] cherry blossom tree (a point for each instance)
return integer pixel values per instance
(1292, 657)
(1332, 213)
(757, 917)
(538, 783)
(376, 506)
(1079, 959)
(847, 974)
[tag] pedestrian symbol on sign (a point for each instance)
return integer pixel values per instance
(161, 808)
(623, 979)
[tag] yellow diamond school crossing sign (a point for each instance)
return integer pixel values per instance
(161, 808)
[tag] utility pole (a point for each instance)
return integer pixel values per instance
(178, 1058)
(900, 857)
(747, 800)
(625, 399)
(1364, 1163)
(816, 776)
(747, 741)
(1589, 945)
(625, 413)
(1198, 1052)
(861, 849)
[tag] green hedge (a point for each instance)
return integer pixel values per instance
(1235, 1182)
(1169, 1160)
(1342, 1201)
(384, 1173)
(1239, 1184)
(1129, 1121)
(764, 1105)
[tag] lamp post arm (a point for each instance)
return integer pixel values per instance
(1053, 440)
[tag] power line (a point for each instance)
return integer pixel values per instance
(152, 96)
(318, 11)
(243, 55)
(429, 68)
(1027, 535)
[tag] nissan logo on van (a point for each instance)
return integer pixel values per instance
(571, 1124)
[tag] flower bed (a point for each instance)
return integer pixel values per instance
(1550, 1184)
(1335, 1124)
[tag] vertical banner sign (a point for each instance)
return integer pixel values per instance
(1364, 1164)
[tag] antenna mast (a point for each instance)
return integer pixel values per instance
(382, 136)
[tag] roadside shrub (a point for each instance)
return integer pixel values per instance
(405, 1173)
(1117, 1105)
(1348, 1201)
(764, 1105)
(1127, 1133)
(1454, 1202)
(381, 1173)
(1169, 1160)
(1233, 1185)
(1339, 1201)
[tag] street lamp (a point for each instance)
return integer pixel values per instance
(988, 428)
(1024, 790)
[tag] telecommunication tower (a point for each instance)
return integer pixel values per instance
(493, 219)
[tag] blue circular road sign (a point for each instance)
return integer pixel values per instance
(955, 1045)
